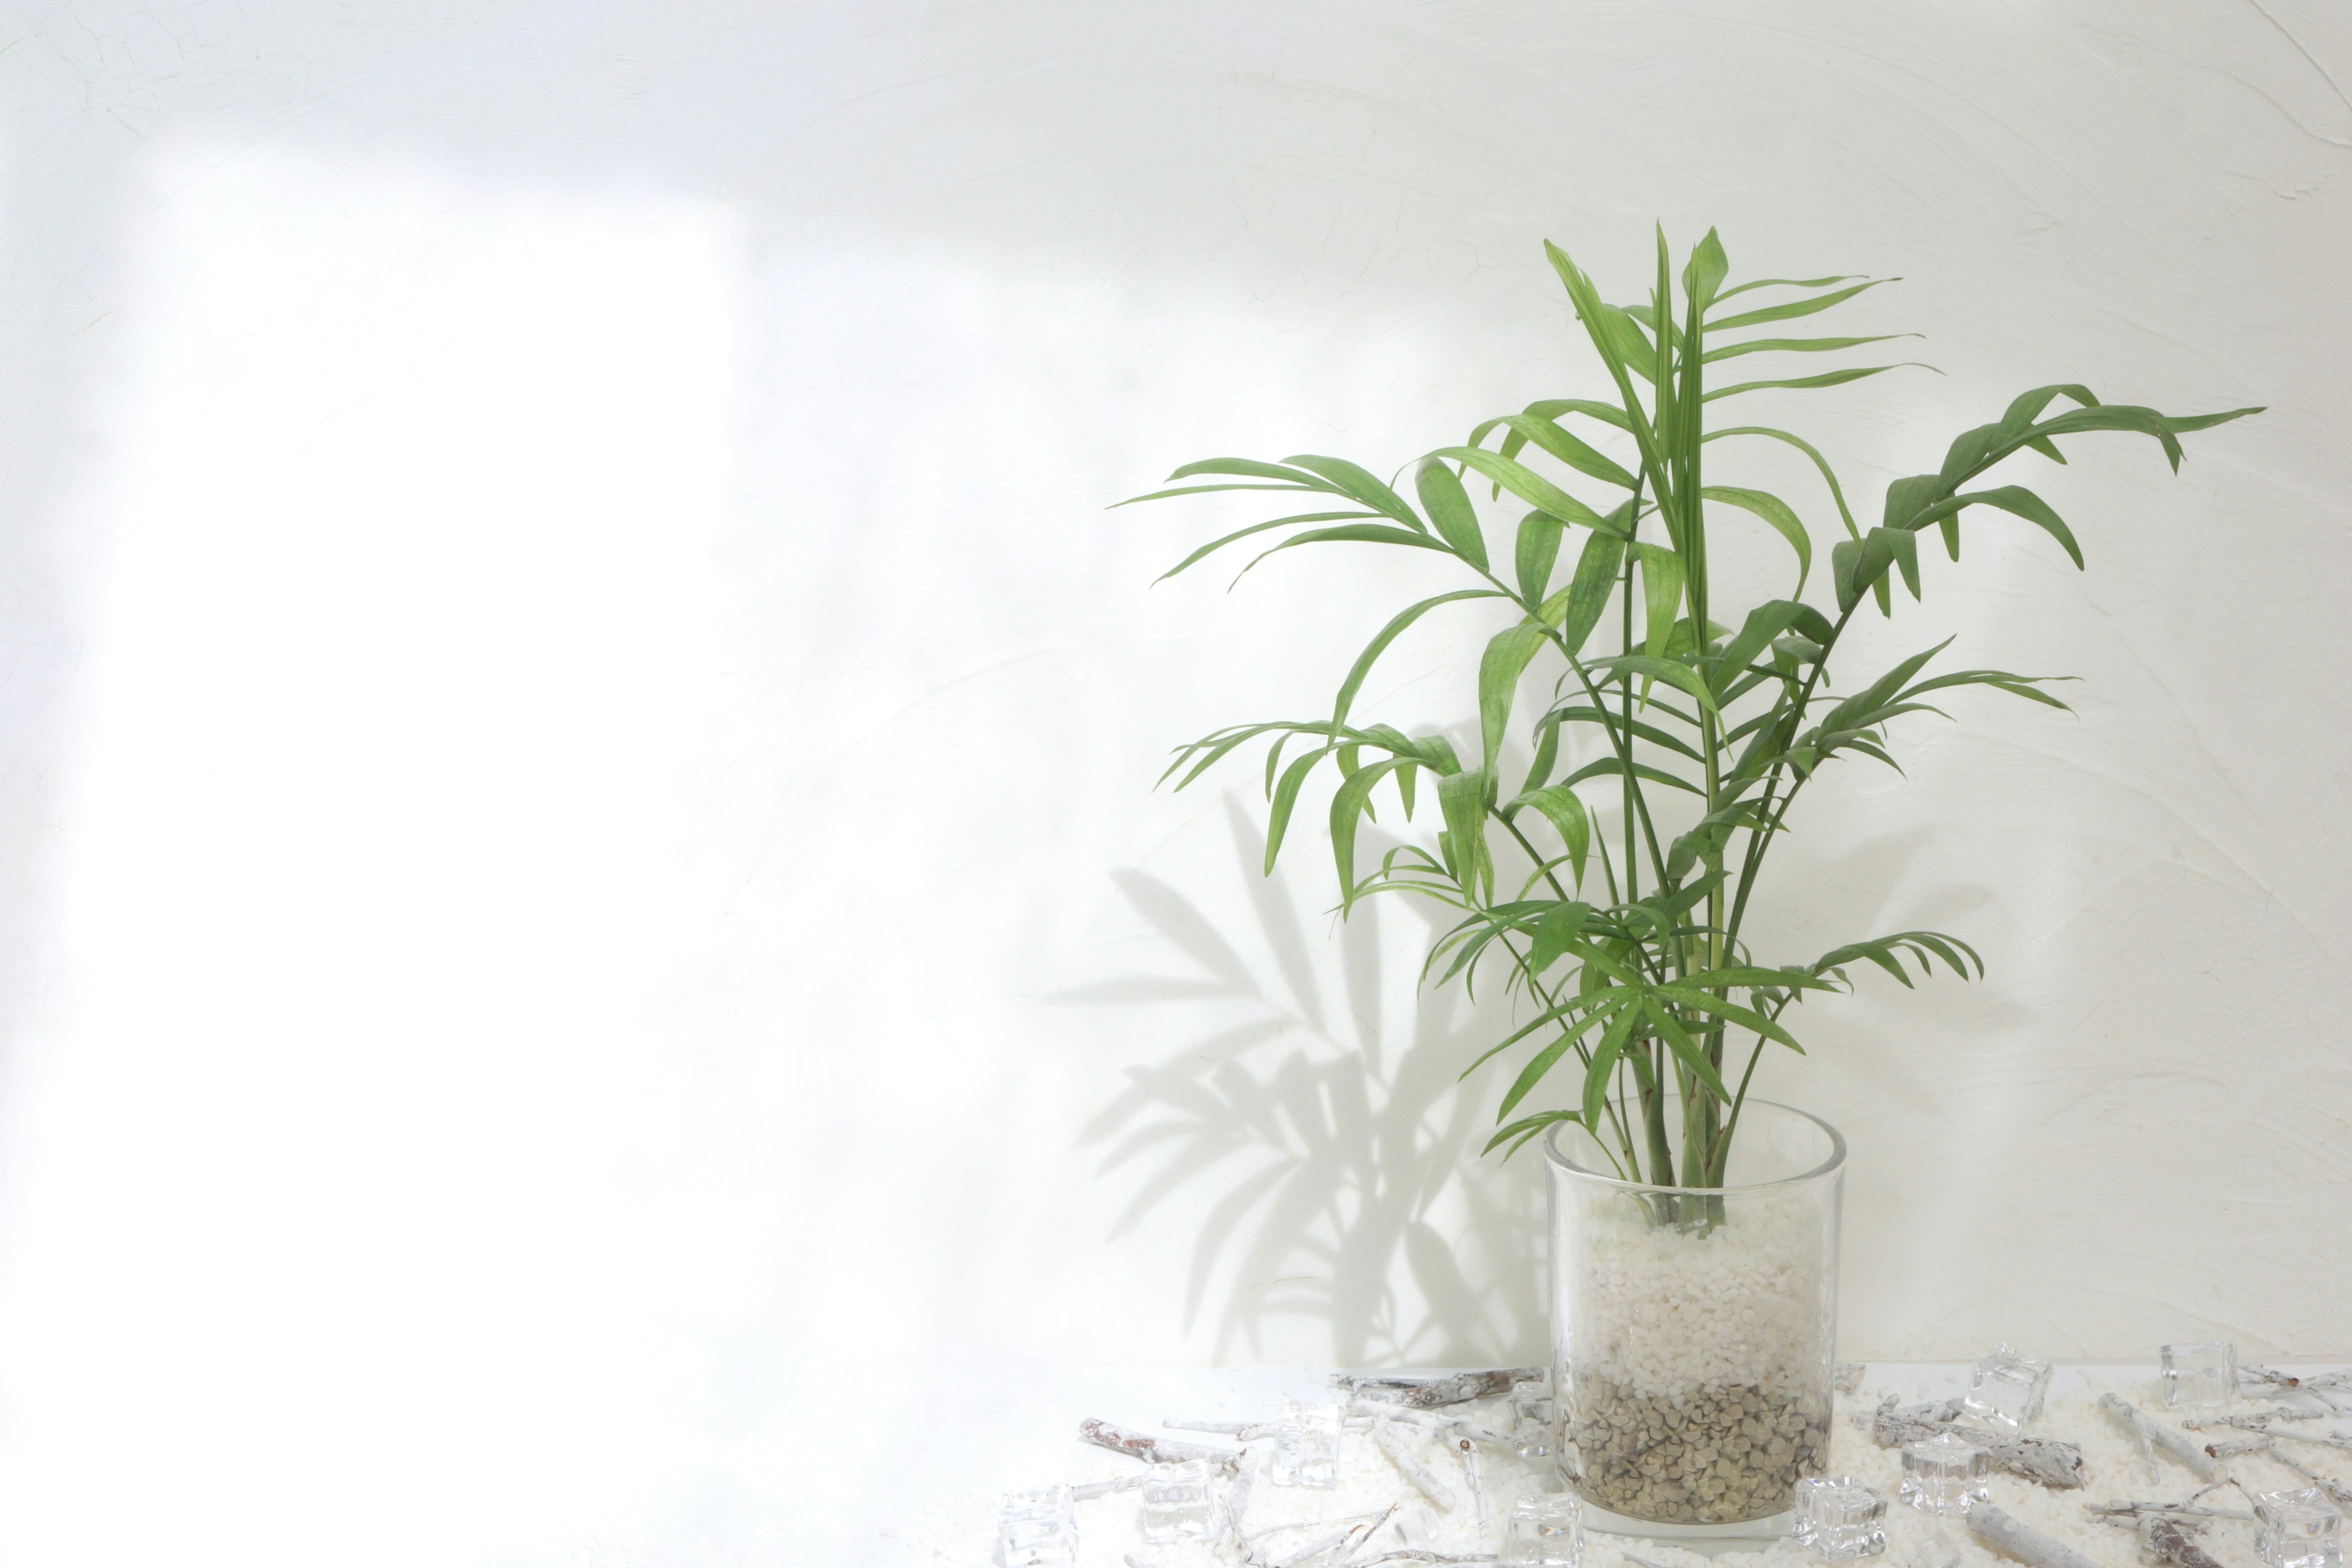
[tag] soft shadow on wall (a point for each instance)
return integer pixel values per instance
(1337, 1148)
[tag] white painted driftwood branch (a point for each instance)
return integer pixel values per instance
(2049, 1463)
(1150, 1450)
(1413, 1469)
(1425, 1393)
(2179, 1445)
(2028, 1545)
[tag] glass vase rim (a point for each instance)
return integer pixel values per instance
(1828, 1166)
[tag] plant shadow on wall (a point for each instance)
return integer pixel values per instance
(1342, 1153)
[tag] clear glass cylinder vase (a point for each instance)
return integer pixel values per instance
(1695, 1329)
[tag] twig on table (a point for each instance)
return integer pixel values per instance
(1472, 1469)
(2167, 1540)
(2111, 1511)
(2045, 1463)
(2021, 1541)
(1150, 1450)
(1245, 1431)
(2179, 1445)
(1413, 1469)
(2231, 1448)
(1428, 1419)
(2337, 1492)
(1231, 1502)
(1337, 1540)
(1257, 1536)
(2247, 1372)
(1425, 1393)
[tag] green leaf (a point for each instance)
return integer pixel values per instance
(1250, 467)
(1765, 622)
(1604, 1062)
(1449, 508)
(1685, 1049)
(1787, 283)
(1662, 594)
(1352, 802)
(2019, 501)
(1286, 797)
(1797, 345)
(1463, 799)
(1351, 533)
(1389, 634)
(1746, 1017)
(1523, 482)
(1533, 1073)
(1905, 547)
(1216, 544)
(1537, 551)
(1778, 513)
(1525, 1128)
(1566, 814)
(1547, 433)
(1555, 929)
(1578, 608)
(1666, 670)
(1585, 713)
(1546, 753)
(1610, 767)
(1347, 478)
(1828, 474)
(1615, 338)
(1705, 271)
(1499, 669)
(1813, 306)
(1826, 378)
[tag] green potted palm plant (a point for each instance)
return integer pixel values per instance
(1644, 734)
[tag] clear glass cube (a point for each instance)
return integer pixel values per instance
(2200, 1374)
(2298, 1529)
(1037, 1529)
(1544, 1531)
(2006, 1390)
(1306, 1447)
(1839, 1519)
(1176, 1503)
(1944, 1474)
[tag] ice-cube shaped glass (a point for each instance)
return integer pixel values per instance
(1943, 1474)
(2006, 1390)
(1037, 1529)
(1839, 1519)
(2200, 1374)
(1306, 1447)
(1544, 1531)
(1176, 1503)
(2298, 1529)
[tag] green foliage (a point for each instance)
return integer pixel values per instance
(1619, 915)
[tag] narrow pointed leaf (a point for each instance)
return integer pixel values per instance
(1795, 309)
(1779, 514)
(1499, 668)
(1576, 608)
(1389, 634)
(1449, 508)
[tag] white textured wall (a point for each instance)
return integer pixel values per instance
(576, 848)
